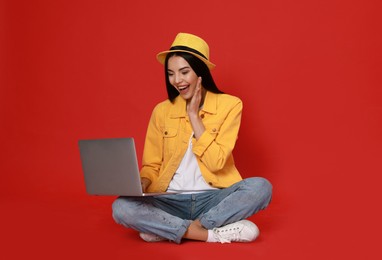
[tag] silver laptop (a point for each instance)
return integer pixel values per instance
(110, 167)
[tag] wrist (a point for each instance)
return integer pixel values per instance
(193, 115)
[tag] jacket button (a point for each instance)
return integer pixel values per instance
(165, 133)
(210, 183)
(214, 130)
(202, 116)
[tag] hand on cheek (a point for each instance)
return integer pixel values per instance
(194, 103)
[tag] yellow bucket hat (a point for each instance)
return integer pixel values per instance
(185, 42)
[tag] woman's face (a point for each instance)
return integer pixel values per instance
(181, 76)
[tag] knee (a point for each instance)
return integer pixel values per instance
(261, 186)
(120, 210)
(117, 210)
(125, 211)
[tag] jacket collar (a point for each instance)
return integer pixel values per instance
(178, 108)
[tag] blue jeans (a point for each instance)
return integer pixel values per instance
(169, 216)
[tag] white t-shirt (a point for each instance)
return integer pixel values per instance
(188, 177)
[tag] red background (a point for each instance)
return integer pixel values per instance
(308, 72)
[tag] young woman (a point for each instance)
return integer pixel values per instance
(188, 150)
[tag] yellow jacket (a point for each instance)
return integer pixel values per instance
(168, 134)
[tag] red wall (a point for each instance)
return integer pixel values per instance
(308, 72)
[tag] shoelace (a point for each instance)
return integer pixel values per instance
(227, 235)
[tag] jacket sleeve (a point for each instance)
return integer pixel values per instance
(214, 149)
(153, 148)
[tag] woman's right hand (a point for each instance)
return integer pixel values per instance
(145, 183)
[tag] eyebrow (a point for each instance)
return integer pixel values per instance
(186, 67)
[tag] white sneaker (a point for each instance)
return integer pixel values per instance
(151, 238)
(241, 231)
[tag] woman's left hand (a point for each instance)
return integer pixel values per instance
(194, 104)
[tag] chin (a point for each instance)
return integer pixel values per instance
(185, 97)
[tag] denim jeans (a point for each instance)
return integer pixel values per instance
(169, 216)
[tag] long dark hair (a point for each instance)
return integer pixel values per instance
(199, 67)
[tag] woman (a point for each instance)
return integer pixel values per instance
(188, 150)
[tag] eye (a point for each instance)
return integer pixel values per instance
(184, 72)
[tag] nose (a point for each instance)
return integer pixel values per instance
(177, 78)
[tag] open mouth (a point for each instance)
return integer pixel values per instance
(183, 89)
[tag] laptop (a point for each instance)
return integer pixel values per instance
(110, 167)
